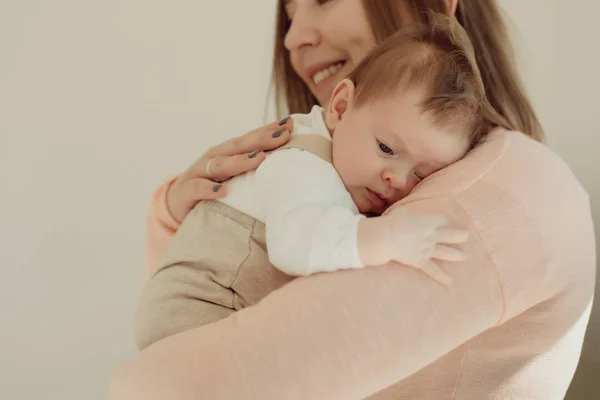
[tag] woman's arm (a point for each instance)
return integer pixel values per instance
(342, 335)
(176, 197)
(160, 227)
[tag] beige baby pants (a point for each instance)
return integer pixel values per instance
(216, 264)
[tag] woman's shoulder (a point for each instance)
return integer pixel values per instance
(508, 161)
(521, 171)
(530, 214)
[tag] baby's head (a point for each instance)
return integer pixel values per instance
(415, 105)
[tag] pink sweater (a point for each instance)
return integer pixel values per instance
(510, 326)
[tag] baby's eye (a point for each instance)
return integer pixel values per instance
(385, 149)
(419, 176)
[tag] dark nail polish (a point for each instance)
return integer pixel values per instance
(278, 133)
(253, 154)
(283, 121)
(217, 187)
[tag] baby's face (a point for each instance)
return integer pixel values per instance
(383, 149)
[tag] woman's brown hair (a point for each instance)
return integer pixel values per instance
(482, 21)
(437, 58)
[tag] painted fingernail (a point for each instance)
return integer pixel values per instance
(283, 121)
(253, 154)
(217, 187)
(278, 133)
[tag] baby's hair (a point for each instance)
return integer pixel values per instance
(437, 57)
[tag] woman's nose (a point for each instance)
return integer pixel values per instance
(302, 32)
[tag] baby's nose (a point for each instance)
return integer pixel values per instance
(394, 180)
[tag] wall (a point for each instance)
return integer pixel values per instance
(102, 100)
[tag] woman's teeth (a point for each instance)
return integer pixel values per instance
(324, 73)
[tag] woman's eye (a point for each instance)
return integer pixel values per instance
(385, 149)
(323, 1)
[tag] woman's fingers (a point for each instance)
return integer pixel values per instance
(222, 168)
(268, 137)
(226, 160)
(184, 195)
(243, 153)
(204, 189)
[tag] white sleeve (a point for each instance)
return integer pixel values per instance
(311, 220)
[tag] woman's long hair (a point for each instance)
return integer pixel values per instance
(482, 21)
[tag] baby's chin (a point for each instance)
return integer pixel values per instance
(364, 205)
(369, 211)
(377, 213)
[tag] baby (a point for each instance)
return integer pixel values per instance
(412, 107)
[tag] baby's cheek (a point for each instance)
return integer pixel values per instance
(359, 200)
(396, 198)
(345, 171)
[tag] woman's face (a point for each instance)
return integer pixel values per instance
(326, 40)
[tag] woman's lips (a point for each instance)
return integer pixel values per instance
(326, 72)
(326, 80)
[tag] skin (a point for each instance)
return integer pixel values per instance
(398, 145)
(320, 36)
(322, 33)
(384, 148)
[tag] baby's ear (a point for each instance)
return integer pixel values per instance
(341, 101)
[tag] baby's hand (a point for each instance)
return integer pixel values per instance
(417, 240)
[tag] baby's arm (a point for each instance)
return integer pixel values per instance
(411, 239)
(353, 334)
(311, 220)
(314, 226)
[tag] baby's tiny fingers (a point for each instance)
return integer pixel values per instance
(446, 253)
(451, 235)
(438, 220)
(435, 272)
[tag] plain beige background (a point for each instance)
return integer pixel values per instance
(101, 100)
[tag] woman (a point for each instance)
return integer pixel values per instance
(510, 325)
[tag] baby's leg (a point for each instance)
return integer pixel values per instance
(193, 287)
(176, 299)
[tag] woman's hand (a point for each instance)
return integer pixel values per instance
(201, 181)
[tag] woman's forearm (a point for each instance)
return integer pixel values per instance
(358, 333)
(342, 335)
(160, 228)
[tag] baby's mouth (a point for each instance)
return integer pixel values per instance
(378, 202)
